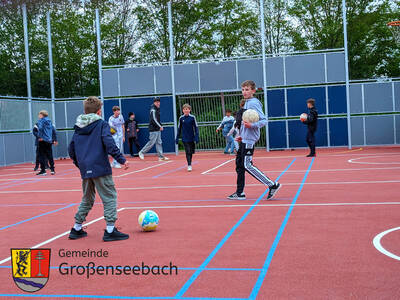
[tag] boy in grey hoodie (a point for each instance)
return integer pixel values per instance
(248, 136)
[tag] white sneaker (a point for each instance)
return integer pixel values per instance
(189, 168)
(118, 166)
(163, 158)
(141, 156)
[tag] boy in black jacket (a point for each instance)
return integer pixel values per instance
(311, 121)
(132, 129)
(89, 149)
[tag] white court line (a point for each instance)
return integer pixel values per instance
(203, 186)
(264, 205)
(325, 155)
(379, 247)
(354, 160)
(58, 236)
(224, 163)
(320, 170)
(141, 170)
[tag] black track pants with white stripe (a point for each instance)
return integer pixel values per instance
(244, 162)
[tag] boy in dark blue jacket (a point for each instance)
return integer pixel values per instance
(190, 133)
(35, 132)
(45, 140)
(89, 149)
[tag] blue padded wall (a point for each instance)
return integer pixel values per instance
(297, 100)
(141, 108)
(277, 134)
(298, 133)
(337, 99)
(338, 132)
(108, 105)
(276, 103)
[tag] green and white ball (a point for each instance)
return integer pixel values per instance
(148, 220)
(250, 116)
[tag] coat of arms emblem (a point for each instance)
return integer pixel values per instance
(30, 268)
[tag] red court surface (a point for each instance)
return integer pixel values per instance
(332, 232)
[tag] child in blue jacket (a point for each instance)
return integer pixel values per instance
(226, 125)
(44, 132)
(190, 133)
(89, 149)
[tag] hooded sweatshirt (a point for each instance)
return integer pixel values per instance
(252, 135)
(90, 146)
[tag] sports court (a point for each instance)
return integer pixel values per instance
(325, 235)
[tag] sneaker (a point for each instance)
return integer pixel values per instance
(53, 172)
(311, 155)
(235, 196)
(117, 166)
(114, 236)
(226, 152)
(163, 158)
(35, 168)
(42, 173)
(141, 156)
(189, 168)
(273, 190)
(77, 234)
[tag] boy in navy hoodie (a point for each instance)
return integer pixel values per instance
(190, 133)
(45, 141)
(35, 132)
(89, 149)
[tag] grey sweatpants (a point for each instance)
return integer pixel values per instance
(154, 138)
(106, 189)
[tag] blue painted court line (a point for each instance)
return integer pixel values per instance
(196, 274)
(271, 252)
(38, 216)
(173, 170)
(112, 297)
(33, 181)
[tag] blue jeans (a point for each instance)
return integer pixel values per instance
(229, 144)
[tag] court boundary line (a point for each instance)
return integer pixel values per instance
(220, 165)
(271, 252)
(204, 186)
(59, 235)
(354, 160)
(38, 216)
(377, 243)
(196, 274)
(144, 169)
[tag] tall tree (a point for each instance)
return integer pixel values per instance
(371, 48)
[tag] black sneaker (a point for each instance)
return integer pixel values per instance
(114, 236)
(235, 196)
(42, 173)
(273, 190)
(35, 168)
(53, 172)
(77, 234)
(311, 155)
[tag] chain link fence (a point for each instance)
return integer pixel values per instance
(209, 110)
